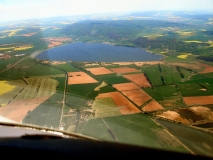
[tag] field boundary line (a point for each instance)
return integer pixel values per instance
(166, 130)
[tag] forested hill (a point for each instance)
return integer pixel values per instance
(117, 29)
(163, 36)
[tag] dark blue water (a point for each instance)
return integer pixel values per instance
(97, 52)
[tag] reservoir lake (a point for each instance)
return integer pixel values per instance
(97, 52)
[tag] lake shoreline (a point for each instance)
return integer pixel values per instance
(97, 52)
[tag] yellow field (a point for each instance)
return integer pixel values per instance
(185, 33)
(2, 36)
(103, 84)
(211, 43)
(193, 41)
(184, 56)
(17, 48)
(22, 48)
(1, 49)
(13, 32)
(153, 36)
(5, 87)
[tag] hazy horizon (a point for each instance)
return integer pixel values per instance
(23, 9)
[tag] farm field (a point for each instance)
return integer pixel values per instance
(124, 70)
(103, 84)
(194, 139)
(123, 104)
(126, 86)
(75, 101)
(38, 87)
(174, 116)
(207, 68)
(198, 100)
(42, 70)
(189, 115)
(112, 79)
(153, 73)
(191, 89)
(83, 89)
(202, 76)
(5, 87)
(105, 107)
(139, 97)
(163, 93)
(143, 131)
(138, 79)
(173, 103)
(171, 74)
(152, 106)
(203, 111)
(7, 97)
(67, 67)
(80, 78)
(46, 114)
(99, 70)
(17, 109)
(106, 89)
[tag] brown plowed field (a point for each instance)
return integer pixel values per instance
(152, 106)
(203, 111)
(80, 78)
(126, 86)
(198, 100)
(189, 115)
(124, 70)
(99, 70)
(207, 69)
(139, 97)
(123, 104)
(172, 115)
(18, 109)
(139, 79)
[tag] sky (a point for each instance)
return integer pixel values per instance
(24, 9)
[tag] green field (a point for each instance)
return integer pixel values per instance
(46, 114)
(202, 76)
(137, 129)
(168, 79)
(105, 107)
(162, 92)
(86, 90)
(37, 87)
(7, 97)
(42, 70)
(107, 89)
(153, 73)
(61, 83)
(112, 79)
(192, 138)
(67, 67)
(192, 88)
(172, 103)
(75, 101)
(170, 74)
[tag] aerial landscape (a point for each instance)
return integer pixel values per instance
(142, 78)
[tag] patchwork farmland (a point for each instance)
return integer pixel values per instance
(123, 104)
(139, 79)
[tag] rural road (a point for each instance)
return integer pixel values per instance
(64, 99)
(15, 64)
